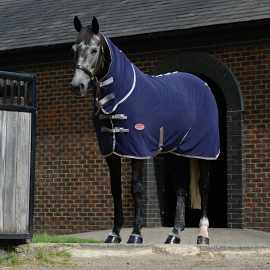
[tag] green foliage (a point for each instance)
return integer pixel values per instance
(47, 238)
(1, 259)
(55, 256)
(200, 253)
(41, 257)
(62, 253)
(16, 260)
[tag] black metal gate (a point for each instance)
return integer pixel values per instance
(17, 154)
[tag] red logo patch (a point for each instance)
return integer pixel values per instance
(139, 126)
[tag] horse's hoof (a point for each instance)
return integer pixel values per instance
(203, 240)
(135, 239)
(172, 239)
(113, 239)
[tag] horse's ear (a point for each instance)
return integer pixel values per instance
(77, 24)
(95, 26)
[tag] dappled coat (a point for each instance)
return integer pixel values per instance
(139, 116)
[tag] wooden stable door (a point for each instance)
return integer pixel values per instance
(15, 161)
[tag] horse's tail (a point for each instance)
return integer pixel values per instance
(195, 197)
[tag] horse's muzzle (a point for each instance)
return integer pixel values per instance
(78, 90)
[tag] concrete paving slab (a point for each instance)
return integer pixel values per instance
(219, 237)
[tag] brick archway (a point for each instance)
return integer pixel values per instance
(209, 66)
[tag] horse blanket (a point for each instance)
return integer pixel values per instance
(139, 116)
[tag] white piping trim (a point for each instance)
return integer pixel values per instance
(188, 156)
(158, 152)
(123, 99)
(132, 88)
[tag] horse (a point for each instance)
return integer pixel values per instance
(140, 116)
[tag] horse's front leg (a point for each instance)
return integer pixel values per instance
(114, 163)
(136, 191)
(204, 165)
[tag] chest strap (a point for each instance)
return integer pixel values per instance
(103, 101)
(161, 138)
(115, 130)
(99, 103)
(104, 83)
(114, 116)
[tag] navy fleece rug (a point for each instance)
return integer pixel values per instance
(139, 116)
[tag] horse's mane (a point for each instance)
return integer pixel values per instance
(85, 35)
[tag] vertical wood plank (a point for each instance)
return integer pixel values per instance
(2, 166)
(23, 172)
(11, 154)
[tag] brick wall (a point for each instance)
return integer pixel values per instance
(249, 60)
(72, 184)
(72, 189)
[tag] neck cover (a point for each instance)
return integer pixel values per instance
(139, 116)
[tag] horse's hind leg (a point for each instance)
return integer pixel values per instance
(114, 163)
(136, 191)
(179, 170)
(204, 165)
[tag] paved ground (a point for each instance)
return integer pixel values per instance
(219, 238)
(229, 249)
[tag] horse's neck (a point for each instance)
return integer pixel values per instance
(105, 69)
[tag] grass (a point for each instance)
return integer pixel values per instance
(39, 257)
(43, 258)
(16, 260)
(1, 259)
(47, 238)
(200, 253)
(53, 257)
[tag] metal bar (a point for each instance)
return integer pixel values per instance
(25, 93)
(16, 108)
(5, 91)
(12, 92)
(15, 236)
(31, 91)
(32, 170)
(16, 76)
(1, 86)
(19, 92)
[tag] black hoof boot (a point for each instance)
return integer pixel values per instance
(135, 239)
(203, 240)
(113, 239)
(172, 239)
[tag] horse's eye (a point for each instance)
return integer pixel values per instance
(73, 48)
(94, 51)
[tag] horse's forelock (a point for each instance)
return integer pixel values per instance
(85, 35)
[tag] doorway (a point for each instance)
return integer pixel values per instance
(217, 201)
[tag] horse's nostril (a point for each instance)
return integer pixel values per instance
(81, 86)
(74, 88)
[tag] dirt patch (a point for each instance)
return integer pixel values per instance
(173, 258)
(150, 257)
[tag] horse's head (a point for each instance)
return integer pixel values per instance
(89, 56)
